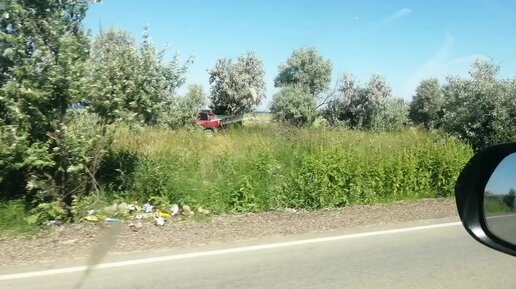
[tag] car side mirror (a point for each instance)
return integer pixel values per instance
(485, 193)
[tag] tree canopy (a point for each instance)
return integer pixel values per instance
(239, 87)
(294, 105)
(366, 107)
(426, 105)
(481, 109)
(305, 68)
(43, 68)
(130, 81)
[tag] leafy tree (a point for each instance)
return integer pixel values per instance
(375, 96)
(46, 49)
(509, 91)
(183, 110)
(392, 115)
(239, 87)
(295, 105)
(347, 106)
(480, 110)
(43, 64)
(369, 107)
(130, 82)
(114, 65)
(305, 68)
(508, 199)
(426, 106)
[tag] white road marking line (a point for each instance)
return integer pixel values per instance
(501, 216)
(223, 251)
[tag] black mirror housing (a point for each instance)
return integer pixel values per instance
(469, 195)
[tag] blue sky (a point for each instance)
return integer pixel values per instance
(403, 40)
(504, 177)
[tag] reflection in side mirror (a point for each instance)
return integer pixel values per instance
(499, 200)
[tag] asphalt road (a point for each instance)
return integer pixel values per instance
(415, 256)
(503, 226)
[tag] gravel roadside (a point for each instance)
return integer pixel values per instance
(78, 240)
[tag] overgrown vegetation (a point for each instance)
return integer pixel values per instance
(88, 120)
(260, 168)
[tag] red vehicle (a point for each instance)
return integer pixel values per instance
(211, 122)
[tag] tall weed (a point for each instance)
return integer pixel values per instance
(260, 168)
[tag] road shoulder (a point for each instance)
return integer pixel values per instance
(76, 242)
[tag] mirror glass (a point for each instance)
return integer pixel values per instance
(499, 200)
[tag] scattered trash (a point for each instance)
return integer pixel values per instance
(148, 208)
(174, 210)
(203, 211)
(110, 210)
(54, 223)
(164, 215)
(160, 221)
(122, 207)
(91, 218)
(111, 220)
(131, 207)
(187, 211)
(135, 214)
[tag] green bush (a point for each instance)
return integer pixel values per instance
(116, 171)
(294, 105)
(47, 211)
(13, 220)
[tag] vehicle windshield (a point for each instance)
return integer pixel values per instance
(248, 144)
(203, 116)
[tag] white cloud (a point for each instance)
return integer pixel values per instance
(396, 15)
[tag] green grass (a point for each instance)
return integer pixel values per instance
(13, 223)
(267, 167)
(495, 206)
(262, 118)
